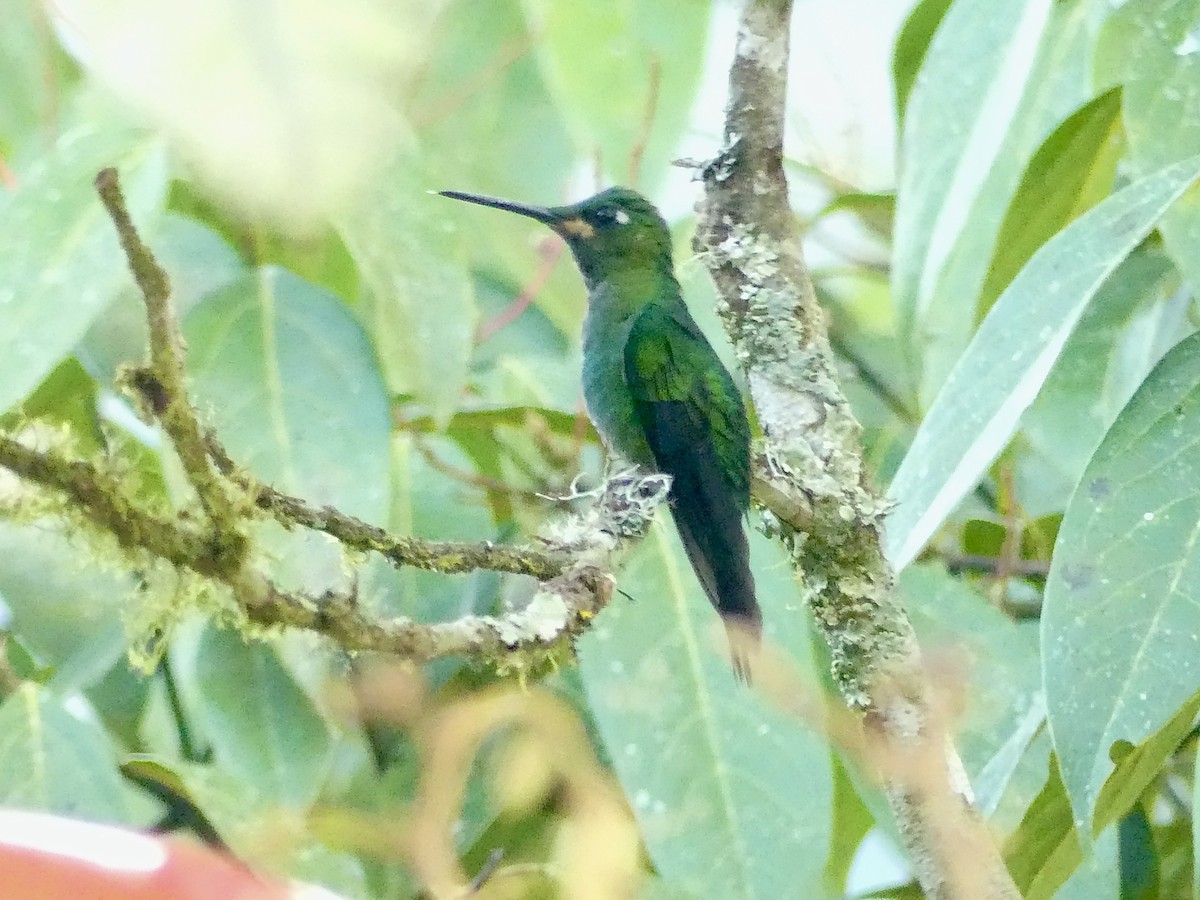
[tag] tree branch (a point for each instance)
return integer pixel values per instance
(571, 564)
(812, 481)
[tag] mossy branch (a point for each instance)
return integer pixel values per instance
(811, 479)
(571, 563)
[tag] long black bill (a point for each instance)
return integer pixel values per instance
(540, 213)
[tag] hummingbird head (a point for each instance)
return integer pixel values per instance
(616, 230)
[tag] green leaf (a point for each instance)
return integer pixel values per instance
(263, 727)
(598, 60)
(61, 264)
(1004, 367)
(1071, 172)
(1044, 849)
(291, 383)
(992, 88)
(1119, 622)
(54, 761)
(1134, 318)
(911, 46)
(1154, 48)
(733, 796)
(421, 309)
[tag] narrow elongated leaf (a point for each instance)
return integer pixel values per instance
(61, 264)
(970, 85)
(50, 760)
(292, 384)
(733, 797)
(263, 727)
(1120, 621)
(1070, 173)
(1153, 47)
(911, 45)
(1004, 367)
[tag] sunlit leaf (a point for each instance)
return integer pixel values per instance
(733, 797)
(1001, 372)
(1120, 622)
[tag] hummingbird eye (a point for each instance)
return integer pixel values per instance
(613, 214)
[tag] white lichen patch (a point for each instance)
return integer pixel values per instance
(762, 40)
(544, 619)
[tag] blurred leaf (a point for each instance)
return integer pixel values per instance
(421, 310)
(263, 727)
(733, 796)
(996, 669)
(1138, 858)
(1096, 877)
(1119, 623)
(875, 211)
(286, 110)
(1071, 172)
(54, 761)
(993, 88)
(1008, 360)
(599, 59)
(851, 822)
(68, 397)
(482, 108)
(430, 503)
(65, 605)
(291, 383)
(1153, 46)
(34, 75)
(911, 45)
(61, 264)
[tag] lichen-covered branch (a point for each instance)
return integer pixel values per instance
(217, 544)
(811, 479)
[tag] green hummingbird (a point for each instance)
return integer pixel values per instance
(657, 392)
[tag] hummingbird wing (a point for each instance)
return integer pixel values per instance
(694, 421)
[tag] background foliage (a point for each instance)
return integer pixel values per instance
(1016, 322)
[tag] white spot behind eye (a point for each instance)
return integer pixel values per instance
(622, 217)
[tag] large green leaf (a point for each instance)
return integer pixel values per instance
(598, 60)
(55, 761)
(1004, 367)
(294, 390)
(1153, 47)
(1120, 620)
(263, 728)
(732, 795)
(421, 309)
(34, 73)
(912, 43)
(61, 264)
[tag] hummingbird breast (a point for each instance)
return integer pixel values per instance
(606, 394)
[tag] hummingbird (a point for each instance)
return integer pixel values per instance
(657, 392)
